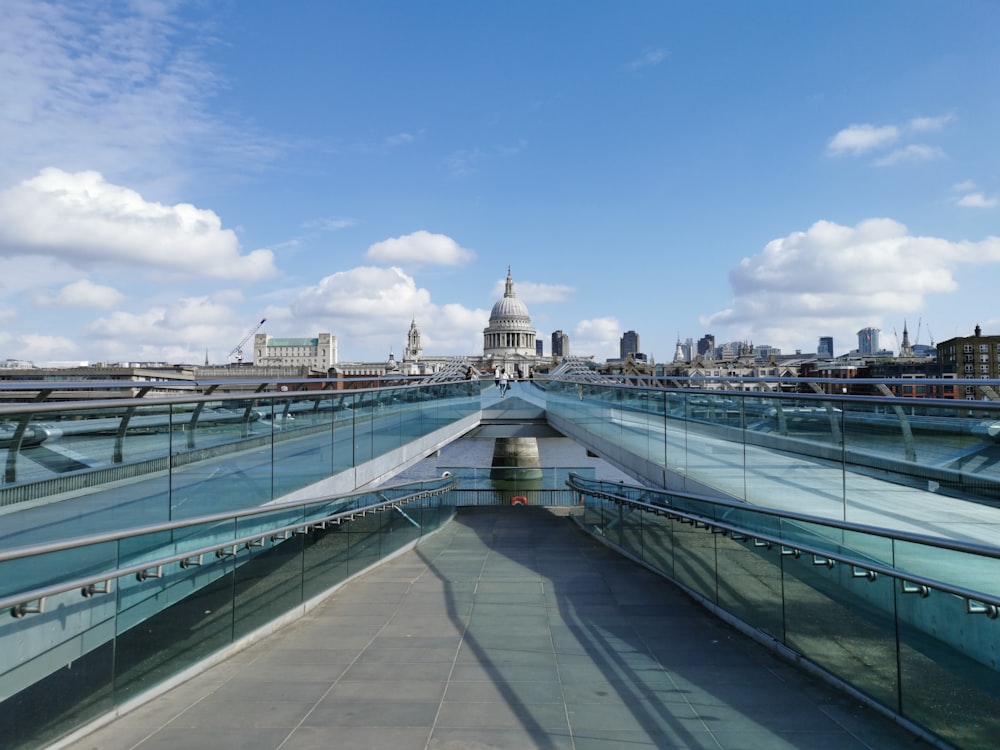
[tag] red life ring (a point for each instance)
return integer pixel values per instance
(519, 500)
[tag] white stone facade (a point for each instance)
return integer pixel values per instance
(318, 354)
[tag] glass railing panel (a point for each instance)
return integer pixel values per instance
(593, 514)
(303, 439)
(365, 533)
(614, 515)
(399, 528)
(749, 583)
(948, 667)
(390, 408)
(163, 593)
(276, 517)
(168, 624)
(715, 449)
(676, 436)
(76, 463)
(59, 648)
(54, 443)
(267, 583)
(364, 428)
(143, 433)
(49, 569)
(788, 451)
(435, 512)
(843, 623)
(325, 558)
(220, 480)
(210, 425)
(969, 570)
(438, 408)
(749, 518)
(657, 542)
(642, 424)
(879, 456)
(694, 559)
(47, 709)
(343, 432)
(632, 531)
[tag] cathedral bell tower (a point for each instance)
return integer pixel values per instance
(413, 351)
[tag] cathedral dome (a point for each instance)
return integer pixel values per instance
(509, 332)
(510, 307)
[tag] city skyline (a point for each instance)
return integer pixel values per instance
(171, 173)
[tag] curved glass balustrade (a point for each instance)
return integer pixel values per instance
(909, 622)
(116, 463)
(88, 625)
(926, 466)
(818, 475)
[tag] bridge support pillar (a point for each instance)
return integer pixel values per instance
(516, 463)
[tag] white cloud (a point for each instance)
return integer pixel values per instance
(182, 331)
(420, 247)
(84, 294)
(329, 225)
(833, 276)
(36, 347)
(464, 162)
(84, 220)
(964, 187)
(911, 154)
(113, 86)
(532, 293)
(598, 336)
(370, 310)
(929, 124)
(859, 139)
(978, 200)
(647, 59)
(399, 139)
(364, 293)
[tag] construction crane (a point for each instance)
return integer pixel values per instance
(237, 352)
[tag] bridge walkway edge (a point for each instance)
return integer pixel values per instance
(509, 627)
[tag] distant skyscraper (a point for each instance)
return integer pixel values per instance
(825, 348)
(560, 344)
(629, 344)
(539, 350)
(706, 346)
(868, 341)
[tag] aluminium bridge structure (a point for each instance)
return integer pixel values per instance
(148, 535)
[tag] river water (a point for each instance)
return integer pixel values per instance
(561, 453)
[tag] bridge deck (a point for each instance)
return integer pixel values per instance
(509, 628)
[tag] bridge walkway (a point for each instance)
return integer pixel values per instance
(509, 628)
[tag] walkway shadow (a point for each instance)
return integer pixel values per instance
(559, 623)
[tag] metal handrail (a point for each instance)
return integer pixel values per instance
(118, 534)
(953, 545)
(17, 603)
(910, 583)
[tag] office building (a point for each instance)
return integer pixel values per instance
(629, 344)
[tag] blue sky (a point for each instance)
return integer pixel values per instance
(173, 172)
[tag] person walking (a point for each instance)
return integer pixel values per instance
(496, 377)
(503, 383)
